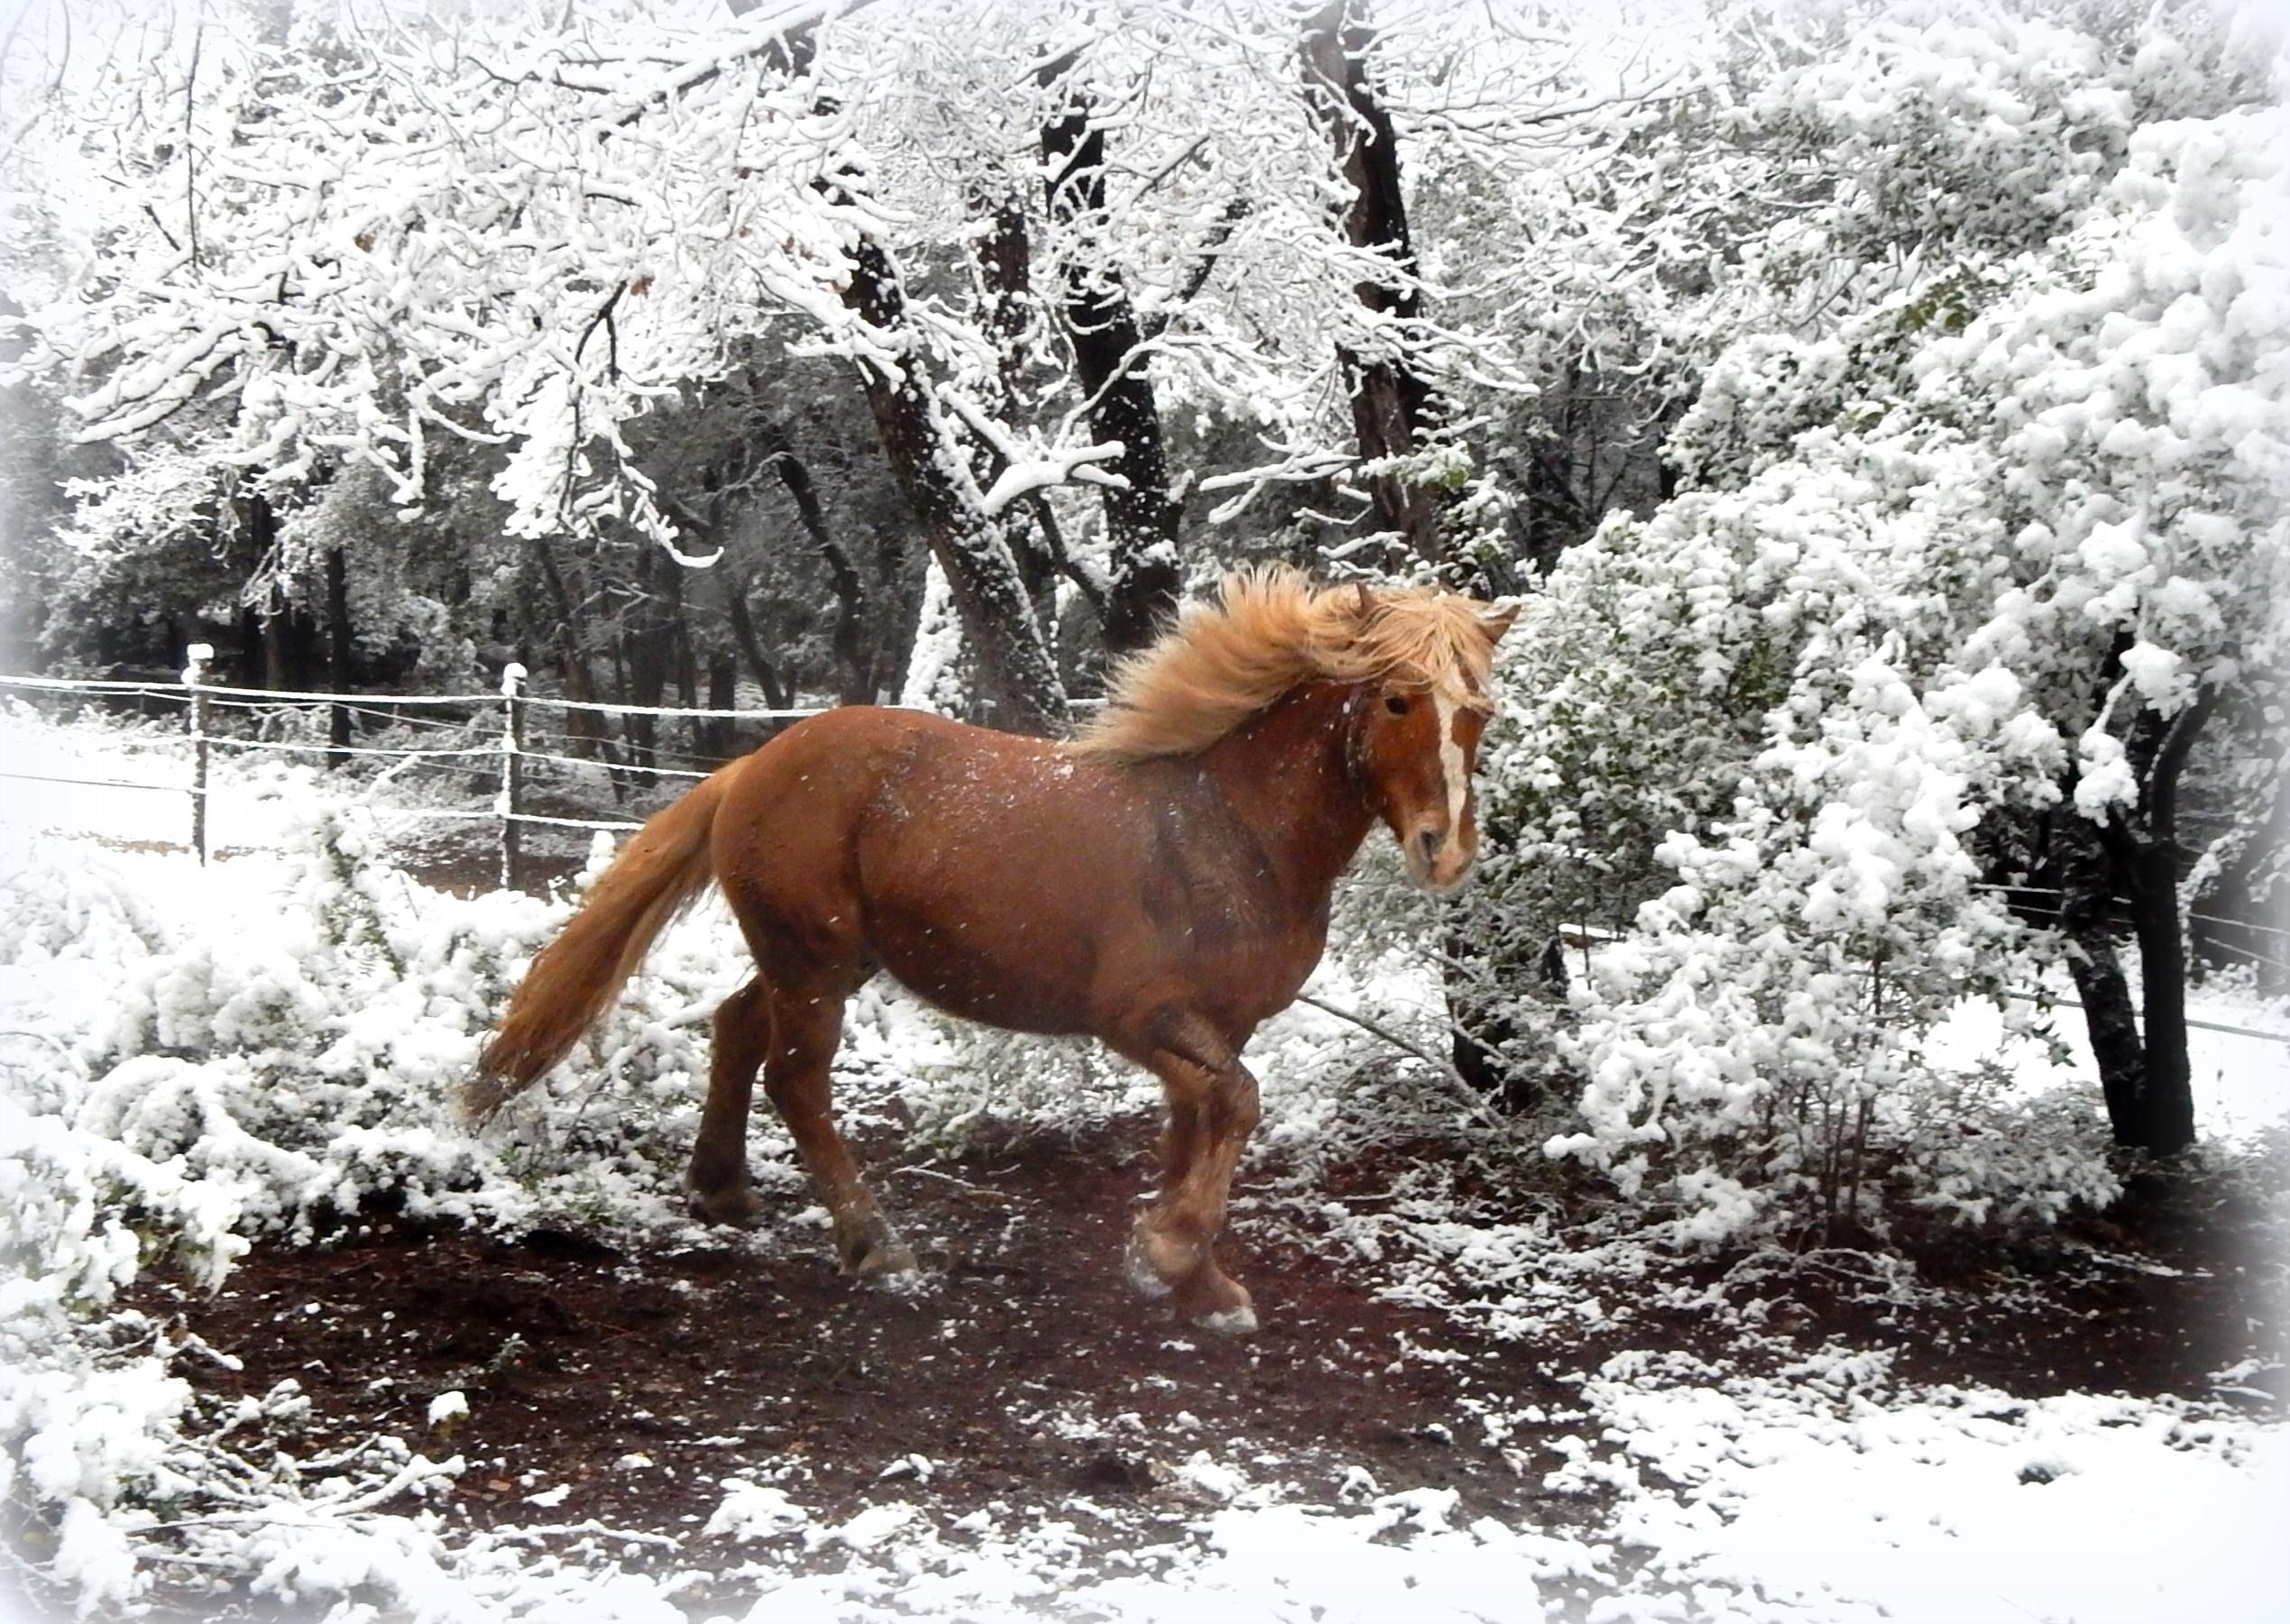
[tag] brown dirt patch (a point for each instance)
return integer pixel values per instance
(1022, 1377)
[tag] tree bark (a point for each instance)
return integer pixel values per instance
(2145, 1074)
(1392, 406)
(278, 640)
(2087, 886)
(277, 612)
(857, 684)
(586, 728)
(743, 633)
(2166, 1103)
(649, 644)
(1013, 664)
(1003, 259)
(339, 649)
(716, 737)
(1144, 578)
(1020, 678)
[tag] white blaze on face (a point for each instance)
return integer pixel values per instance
(1459, 771)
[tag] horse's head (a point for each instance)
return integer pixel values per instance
(1415, 745)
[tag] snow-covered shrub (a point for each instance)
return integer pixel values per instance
(1779, 791)
(190, 1056)
(973, 1080)
(1956, 129)
(1978, 1148)
(2015, 522)
(1763, 393)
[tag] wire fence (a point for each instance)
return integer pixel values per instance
(493, 739)
(496, 741)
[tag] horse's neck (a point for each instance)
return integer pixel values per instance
(1285, 774)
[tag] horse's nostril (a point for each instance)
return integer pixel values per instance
(1429, 842)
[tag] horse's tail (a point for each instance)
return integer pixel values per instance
(577, 976)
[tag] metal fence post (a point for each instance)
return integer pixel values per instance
(513, 747)
(194, 658)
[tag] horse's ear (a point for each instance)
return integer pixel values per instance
(1497, 619)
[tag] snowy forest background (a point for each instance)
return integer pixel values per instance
(1880, 412)
(1879, 408)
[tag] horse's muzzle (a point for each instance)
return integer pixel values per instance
(1437, 861)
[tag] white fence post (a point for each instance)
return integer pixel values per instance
(194, 658)
(512, 748)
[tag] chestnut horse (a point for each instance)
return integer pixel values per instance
(1161, 881)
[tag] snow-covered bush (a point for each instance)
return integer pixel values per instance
(1955, 569)
(1977, 1148)
(191, 1057)
(1728, 737)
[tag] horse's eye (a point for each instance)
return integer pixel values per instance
(1396, 703)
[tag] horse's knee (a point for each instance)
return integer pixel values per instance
(1239, 1102)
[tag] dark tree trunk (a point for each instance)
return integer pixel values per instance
(649, 645)
(1004, 256)
(743, 633)
(2145, 1076)
(1003, 259)
(1143, 579)
(1392, 406)
(277, 612)
(857, 684)
(1013, 664)
(2087, 886)
(716, 735)
(2165, 1121)
(590, 736)
(2111, 1024)
(339, 650)
(1020, 678)
(278, 641)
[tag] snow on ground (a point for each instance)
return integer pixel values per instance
(1832, 1497)
(208, 1054)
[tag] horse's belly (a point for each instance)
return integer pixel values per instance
(969, 973)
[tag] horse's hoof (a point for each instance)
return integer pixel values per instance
(736, 1206)
(884, 1258)
(1228, 1322)
(869, 1246)
(1213, 1301)
(1143, 1276)
(1159, 1261)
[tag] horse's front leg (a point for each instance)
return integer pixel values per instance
(1212, 1109)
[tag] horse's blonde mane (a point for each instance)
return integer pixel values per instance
(1269, 629)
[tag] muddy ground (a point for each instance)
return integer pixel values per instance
(1022, 1379)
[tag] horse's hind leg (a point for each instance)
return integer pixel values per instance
(718, 1177)
(807, 1021)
